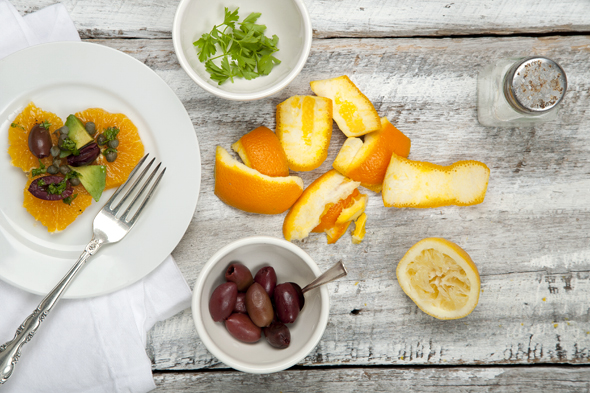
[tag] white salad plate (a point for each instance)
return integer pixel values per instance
(64, 78)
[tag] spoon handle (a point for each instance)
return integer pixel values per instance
(333, 273)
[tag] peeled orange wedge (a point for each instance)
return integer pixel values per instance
(352, 110)
(367, 162)
(260, 149)
(320, 207)
(247, 189)
(440, 277)
(422, 184)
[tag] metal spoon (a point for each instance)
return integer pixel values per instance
(335, 272)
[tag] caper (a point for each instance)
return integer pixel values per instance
(113, 144)
(74, 181)
(90, 127)
(101, 140)
(55, 151)
(111, 156)
(64, 130)
(57, 162)
(64, 169)
(61, 139)
(52, 170)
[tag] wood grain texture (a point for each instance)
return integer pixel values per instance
(344, 380)
(529, 238)
(345, 18)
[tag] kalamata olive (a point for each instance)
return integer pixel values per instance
(267, 277)
(223, 300)
(241, 303)
(41, 192)
(74, 181)
(241, 327)
(87, 155)
(54, 151)
(64, 169)
(52, 170)
(111, 156)
(39, 141)
(300, 294)
(113, 144)
(259, 305)
(90, 127)
(240, 274)
(101, 139)
(277, 335)
(286, 302)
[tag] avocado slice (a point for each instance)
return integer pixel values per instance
(77, 132)
(93, 178)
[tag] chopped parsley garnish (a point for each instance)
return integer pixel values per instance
(69, 199)
(246, 51)
(15, 125)
(45, 124)
(69, 146)
(108, 150)
(57, 188)
(38, 171)
(111, 134)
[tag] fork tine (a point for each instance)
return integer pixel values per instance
(145, 184)
(133, 186)
(147, 197)
(111, 200)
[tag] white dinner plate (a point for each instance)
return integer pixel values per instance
(65, 78)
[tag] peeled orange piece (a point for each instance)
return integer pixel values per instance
(304, 127)
(352, 110)
(56, 215)
(422, 184)
(359, 229)
(129, 151)
(247, 189)
(367, 162)
(440, 277)
(316, 206)
(260, 149)
(18, 136)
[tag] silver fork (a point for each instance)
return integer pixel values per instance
(107, 228)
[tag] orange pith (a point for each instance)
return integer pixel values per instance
(56, 215)
(263, 152)
(129, 151)
(332, 212)
(18, 138)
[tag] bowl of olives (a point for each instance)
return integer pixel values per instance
(248, 307)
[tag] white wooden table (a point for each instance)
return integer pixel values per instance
(417, 61)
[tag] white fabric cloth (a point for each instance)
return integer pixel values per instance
(92, 345)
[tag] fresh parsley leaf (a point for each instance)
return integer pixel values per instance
(69, 145)
(230, 18)
(38, 171)
(266, 63)
(252, 18)
(69, 199)
(45, 124)
(16, 125)
(206, 44)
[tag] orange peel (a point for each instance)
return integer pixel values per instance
(304, 127)
(352, 110)
(359, 229)
(423, 185)
(261, 149)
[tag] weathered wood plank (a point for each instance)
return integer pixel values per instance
(345, 18)
(432, 379)
(529, 238)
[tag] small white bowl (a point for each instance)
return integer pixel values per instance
(288, 19)
(291, 264)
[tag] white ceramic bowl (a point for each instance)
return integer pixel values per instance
(288, 19)
(291, 264)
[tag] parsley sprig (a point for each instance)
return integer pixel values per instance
(39, 171)
(246, 51)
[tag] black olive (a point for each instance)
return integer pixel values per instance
(86, 156)
(39, 141)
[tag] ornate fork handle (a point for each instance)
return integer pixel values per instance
(10, 352)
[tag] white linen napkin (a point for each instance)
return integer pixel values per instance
(92, 345)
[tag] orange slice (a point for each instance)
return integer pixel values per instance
(367, 162)
(440, 277)
(422, 184)
(260, 149)
(18, 136)
(129, 151)
(304, 127)
(56, 215)
(247, 189)
(316, 206)
(352, 110)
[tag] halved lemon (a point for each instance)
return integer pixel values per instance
(440, 277)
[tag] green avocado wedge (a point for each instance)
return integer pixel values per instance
(93, 178)
(77, 132)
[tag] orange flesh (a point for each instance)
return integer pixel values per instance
(332, 212)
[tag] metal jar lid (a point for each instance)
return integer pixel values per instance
(535, 85)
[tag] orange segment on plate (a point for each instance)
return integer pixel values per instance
(316, 203)
(304, 127)
(367, 162)
(422, 184)
(18, 136)
(247, 189)
(440, 277)
(260, 149)
(56, 215)
(129, 151)
(352, 110)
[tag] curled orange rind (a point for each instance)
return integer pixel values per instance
(260, 149)
(359, 229)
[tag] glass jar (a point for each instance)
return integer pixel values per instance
(518, 92)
